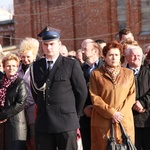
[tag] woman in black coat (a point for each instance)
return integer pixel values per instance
(12, 102)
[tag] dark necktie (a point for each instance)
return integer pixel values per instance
(135, 71)
(49, 66)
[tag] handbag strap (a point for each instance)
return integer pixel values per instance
(112, 137)
(124, 134)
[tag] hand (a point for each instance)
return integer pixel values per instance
(3, 121)
(88, 110)
(117, 117)
(142, 110)
(138, 107)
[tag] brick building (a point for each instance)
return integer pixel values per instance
(6, 28)
(80, 19)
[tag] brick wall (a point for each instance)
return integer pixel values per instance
(6, 33)
(78, 19)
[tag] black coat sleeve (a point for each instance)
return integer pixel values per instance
(79, 87)
(17, 102)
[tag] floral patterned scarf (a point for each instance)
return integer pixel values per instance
(5, 84)
(113, 72)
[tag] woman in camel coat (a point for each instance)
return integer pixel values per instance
(112, 90)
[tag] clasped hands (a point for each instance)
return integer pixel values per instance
(88, 110)
(117, 117)
(138, 107)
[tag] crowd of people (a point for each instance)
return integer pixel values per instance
(53, 99)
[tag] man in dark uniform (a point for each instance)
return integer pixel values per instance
(59, 89)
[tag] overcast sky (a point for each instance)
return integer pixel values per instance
(6, 4)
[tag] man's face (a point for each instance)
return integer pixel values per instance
(129, 36)
(51, 48)
(87, 50)
(134, 59)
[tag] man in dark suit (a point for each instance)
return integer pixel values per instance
(141, 107)
(60, 93)
(91, 56)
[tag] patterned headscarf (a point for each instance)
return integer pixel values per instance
(113, 72)
(5, 84)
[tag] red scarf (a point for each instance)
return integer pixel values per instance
(5, 84)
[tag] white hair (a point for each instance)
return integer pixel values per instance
(131, 47)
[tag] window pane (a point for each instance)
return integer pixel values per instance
(121, 12)
(145, 12)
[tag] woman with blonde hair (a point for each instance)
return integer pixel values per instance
(28, 53)
(12, 103)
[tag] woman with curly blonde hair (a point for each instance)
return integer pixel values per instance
(28, 53)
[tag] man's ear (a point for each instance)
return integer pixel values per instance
(60, 43)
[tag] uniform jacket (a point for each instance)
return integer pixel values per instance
(14, 111)
(143, 95)
(60, 105)
(108, 98)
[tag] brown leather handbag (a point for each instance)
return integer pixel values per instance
(126, 142)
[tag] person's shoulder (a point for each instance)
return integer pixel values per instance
(19, 80)
(37, 64)
(39, 61)
(98, 72)
(126, 70)
(70, 61)
(144, 70)
(143, 67)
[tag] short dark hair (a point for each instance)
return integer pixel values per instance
(99, 41)
(124, 31)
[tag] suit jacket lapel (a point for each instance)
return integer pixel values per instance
(55, 68)
(43, 66)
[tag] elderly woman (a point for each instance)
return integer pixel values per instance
(28, 52)
(112, 90)
(12, 103)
